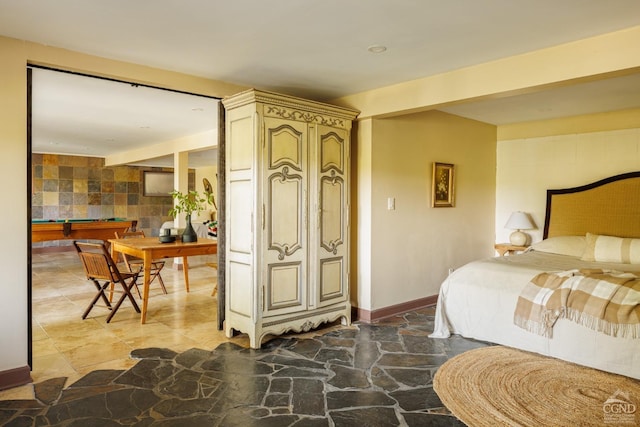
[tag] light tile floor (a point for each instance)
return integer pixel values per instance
(64, 345)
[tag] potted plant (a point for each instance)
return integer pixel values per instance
(188, 203)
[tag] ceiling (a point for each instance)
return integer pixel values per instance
(88, 116)
(316, 49)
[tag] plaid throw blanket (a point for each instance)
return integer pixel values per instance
(603, 300)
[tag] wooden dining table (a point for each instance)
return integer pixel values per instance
(150, 248)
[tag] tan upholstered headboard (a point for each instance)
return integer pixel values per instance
(610, 206)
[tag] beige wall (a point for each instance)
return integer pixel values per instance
(13, 164)
(412, 247)
(583, 150)
(361, 249)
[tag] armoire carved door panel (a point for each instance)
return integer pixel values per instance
(332, 215)
(285, 191)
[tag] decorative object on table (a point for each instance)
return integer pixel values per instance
(188, 203)
(519, 221)
(442, 186)
(166, 236)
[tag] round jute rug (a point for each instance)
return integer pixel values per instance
(498, 385)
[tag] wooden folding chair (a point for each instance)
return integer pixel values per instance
(136, 264)
(99, 266)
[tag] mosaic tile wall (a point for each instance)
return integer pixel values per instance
(73, 187)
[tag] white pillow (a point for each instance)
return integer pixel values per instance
(563, 245)
(612, 249)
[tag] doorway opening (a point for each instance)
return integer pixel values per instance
(73, 122)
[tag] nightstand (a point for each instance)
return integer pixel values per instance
(508, 249)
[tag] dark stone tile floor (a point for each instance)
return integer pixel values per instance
(370, 375)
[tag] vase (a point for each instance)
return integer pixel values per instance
(189, 234)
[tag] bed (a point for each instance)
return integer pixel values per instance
(479, 299)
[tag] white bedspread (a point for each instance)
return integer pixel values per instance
(479, 299)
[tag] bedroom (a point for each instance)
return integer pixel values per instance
(490, 183)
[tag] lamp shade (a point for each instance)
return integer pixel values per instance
(519, 221)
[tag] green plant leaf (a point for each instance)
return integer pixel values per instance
(187, 203)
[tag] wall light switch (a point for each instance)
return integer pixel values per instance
(391, 203)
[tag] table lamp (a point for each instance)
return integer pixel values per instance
(519, 221)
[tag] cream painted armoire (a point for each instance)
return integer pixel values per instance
(287, 214)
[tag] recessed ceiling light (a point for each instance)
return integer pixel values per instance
(197, 109)
(376, 48)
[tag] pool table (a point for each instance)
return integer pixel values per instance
(78, 229)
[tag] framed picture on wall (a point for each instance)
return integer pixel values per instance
(442, 185)
(157, 183)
